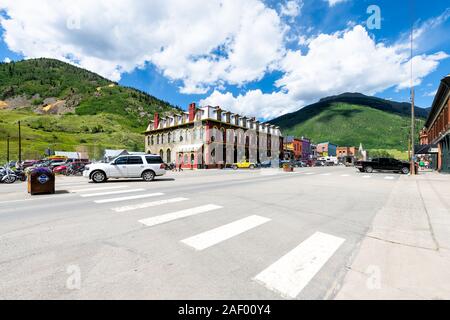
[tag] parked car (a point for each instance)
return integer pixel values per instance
(28, 163)
(244, 165)
(146, 167)
(265, 164)
(299, 163)
(383, 164)
(60, 169)
(319, 163)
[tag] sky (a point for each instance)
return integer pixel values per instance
(254, 57)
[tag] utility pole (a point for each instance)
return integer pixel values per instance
(412, 164)
(20, 145)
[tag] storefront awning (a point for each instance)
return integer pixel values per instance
(189, 147)
(426, 149)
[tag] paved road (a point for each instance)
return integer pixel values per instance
(260, 234)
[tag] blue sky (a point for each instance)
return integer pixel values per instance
(260, 58)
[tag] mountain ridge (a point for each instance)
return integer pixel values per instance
(353, 118)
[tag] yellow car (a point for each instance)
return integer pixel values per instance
(244, 165)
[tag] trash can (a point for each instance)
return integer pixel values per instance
(41, 180)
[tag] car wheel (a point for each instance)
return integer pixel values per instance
(405, 170)
(148, 175)
(361, 170)
(252, 166)
(234, 167)
(98, 176)
(369, 169)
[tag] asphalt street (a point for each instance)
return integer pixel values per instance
(207, 234)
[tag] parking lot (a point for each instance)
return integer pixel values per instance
(206, 234)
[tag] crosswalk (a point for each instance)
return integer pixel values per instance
(286, 277)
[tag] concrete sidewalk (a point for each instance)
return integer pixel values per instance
(406, 254)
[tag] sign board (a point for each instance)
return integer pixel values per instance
(433, 150)
(43, 178)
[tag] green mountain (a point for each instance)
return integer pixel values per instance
(63, 107)
(353, 118)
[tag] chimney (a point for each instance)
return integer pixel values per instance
(156, 120)
(191, 112)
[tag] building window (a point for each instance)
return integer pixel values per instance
(157, 139)
(168, 156)
(161, 153)
(169, 137)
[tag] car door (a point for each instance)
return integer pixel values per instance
(383, 164)
(135, 166)
(118, 167)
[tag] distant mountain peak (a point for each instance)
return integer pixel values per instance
(346, 95)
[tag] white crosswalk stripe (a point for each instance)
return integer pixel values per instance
(97, 189)
(325, 174)
(152, 221)
(367, 177)
(109, 193)
(345, 175)
(389, 178)
(140, 196)
(309, 173)
(209, 238)
(291, 273)
(148, 204)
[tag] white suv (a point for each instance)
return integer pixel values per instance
(142, 166)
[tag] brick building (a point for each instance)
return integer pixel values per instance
(326, 149)
(437, 126)
(210, 137)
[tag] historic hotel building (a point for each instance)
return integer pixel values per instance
(210, 137)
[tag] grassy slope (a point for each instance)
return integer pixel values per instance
(112, 117)
(350, 125)
(66, 132)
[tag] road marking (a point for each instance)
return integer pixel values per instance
(308, 173)
(325, 174)
(148, 204)
(209, 238)
(345, 175)
(389, 177)
(108, 193)
(97, 189)
(140, 196)
(367, 177)
(178, 215)
(291, 273)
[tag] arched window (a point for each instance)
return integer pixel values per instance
(169, 137)
(152, 140)
(157, 139)
(168, 156)
(161, 153)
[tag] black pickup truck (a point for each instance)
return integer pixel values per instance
(383, 164)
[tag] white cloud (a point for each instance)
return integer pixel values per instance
(182, 38)
(334, 63)
(430, 94)
(7, 60)
(332, 3)
(291, 8)
(254, 103)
